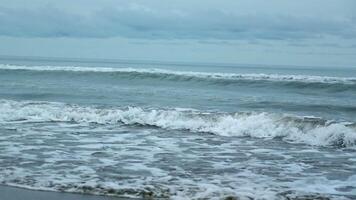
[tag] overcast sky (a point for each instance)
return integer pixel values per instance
(303, 32)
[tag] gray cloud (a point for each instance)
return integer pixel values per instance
(134, 20)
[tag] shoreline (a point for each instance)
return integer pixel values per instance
(17, 193)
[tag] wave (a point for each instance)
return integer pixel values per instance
(295, 129)
(163, 73)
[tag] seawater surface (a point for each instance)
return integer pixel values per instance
(178, 131)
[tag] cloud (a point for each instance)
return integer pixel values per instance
(135, 20)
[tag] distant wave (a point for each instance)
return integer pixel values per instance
(163, 73)
(308, 130)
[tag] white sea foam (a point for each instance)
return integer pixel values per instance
(258, 125)
(203, 75)
(65, 152)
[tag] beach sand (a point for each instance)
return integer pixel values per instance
(14, 193)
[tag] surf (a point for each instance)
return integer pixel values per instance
(290, 128)
(164, 73)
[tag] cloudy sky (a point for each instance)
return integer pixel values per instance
(303, 32)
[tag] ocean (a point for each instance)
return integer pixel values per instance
(152, 130)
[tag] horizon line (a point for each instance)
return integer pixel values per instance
(143, 61)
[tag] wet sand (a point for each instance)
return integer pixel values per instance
(14, 193)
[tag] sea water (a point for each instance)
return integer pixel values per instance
(178, 130)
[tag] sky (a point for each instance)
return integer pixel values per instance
(274, 32)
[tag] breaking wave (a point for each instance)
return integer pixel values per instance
(295, 129)
(163, 73)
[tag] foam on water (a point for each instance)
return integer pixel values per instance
(190, 74)
(150, 163)
(308, 130)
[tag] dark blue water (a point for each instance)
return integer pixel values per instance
(179, 131)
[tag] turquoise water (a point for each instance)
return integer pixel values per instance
(179, 131)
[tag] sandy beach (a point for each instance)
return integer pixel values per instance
(14, 193)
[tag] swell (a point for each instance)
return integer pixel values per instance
(294, 106)
(301, 81)
(295, 129)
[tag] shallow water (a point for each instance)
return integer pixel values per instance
(178, 131)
